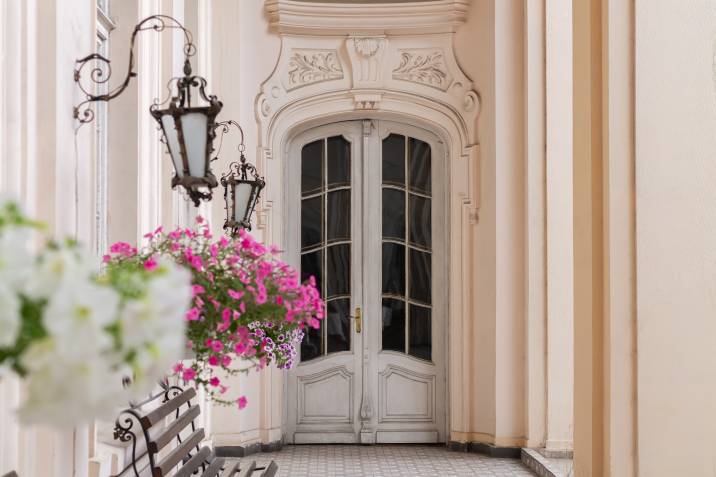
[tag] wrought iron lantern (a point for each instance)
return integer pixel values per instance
(242, 188)
(188, 129)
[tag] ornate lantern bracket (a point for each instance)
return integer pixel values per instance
(101, 66)
(242, 187)
(188, 130)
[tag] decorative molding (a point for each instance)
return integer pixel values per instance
(713, 63)
(366, 55)
(336, 375)
(366, 101)
(311, 66)
(367, 131)
(366, 410)
(367, 46)
(321, 18)
(427, 381)
(424, 66)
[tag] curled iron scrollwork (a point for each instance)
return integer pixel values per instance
(225, 127)
(124, 431)
(100, 68)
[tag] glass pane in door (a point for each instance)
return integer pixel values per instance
(326, 240)
(407, 246)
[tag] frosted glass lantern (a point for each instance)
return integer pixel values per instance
(189, 136)
(241, 194)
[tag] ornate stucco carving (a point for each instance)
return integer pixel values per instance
(424, 66)
(312, 66)
(366, 56)
(367, 46)
(366, 101)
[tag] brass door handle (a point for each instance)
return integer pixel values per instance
(359, 320)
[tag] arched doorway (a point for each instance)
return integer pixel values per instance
(366, 216)
(404, 74)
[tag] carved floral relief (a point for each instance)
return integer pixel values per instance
(312, 66)
(424, 67)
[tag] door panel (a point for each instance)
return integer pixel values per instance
(371, 232)
(323, 398)
(407, 306)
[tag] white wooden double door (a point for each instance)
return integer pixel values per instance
(366, 218)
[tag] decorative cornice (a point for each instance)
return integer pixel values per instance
(320, 17)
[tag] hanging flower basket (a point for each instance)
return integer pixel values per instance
(248, 309)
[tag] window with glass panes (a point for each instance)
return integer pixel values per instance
(406, 246)
(326, 240)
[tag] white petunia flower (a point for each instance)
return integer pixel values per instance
(60, 266)
(9, 316)
(154, 326)
(63, 390)
(16, 261)
(77, 315)
(153, 362)
(171, 290)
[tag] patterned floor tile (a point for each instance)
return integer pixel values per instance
(387, 461)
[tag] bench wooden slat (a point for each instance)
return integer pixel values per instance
(230, 470)
(248, 470)
(167, 408)
(176, 455)
(215, 467)
(270, 470)
(158, 443)
(194, 463)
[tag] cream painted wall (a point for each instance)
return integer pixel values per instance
(244, 52)
(501, 253)
(479, 65)
(559, 224)
(676, 236)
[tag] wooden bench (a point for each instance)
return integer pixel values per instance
(169, 417)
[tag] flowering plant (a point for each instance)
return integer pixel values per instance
(73, 334)
(248, 308)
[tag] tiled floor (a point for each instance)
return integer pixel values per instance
(387, 461)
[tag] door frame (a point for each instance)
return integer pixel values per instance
(312, 130)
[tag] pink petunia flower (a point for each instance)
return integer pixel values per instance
(217, 346)
(150, 264)
(235, 294)
(242, 402)
(193, 314)
(188, 374)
